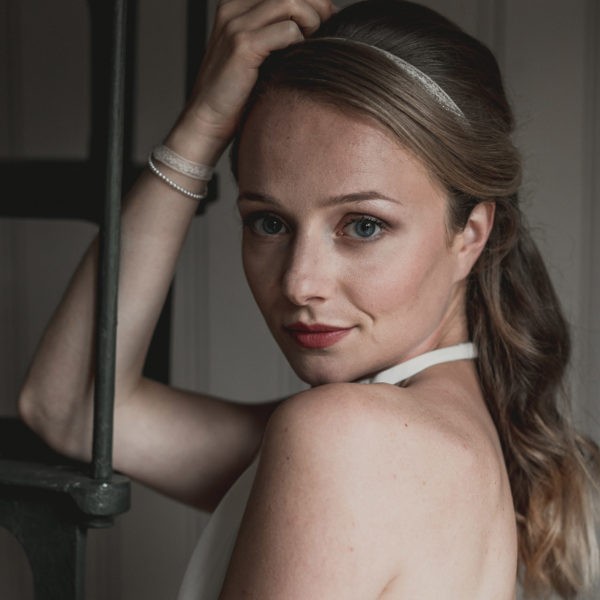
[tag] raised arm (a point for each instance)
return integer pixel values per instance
(186, 445)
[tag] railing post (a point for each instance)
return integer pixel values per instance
(108, 266)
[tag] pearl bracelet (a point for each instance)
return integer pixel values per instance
(182, 165)
(173, 184)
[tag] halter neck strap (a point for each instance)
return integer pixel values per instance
(404, 370)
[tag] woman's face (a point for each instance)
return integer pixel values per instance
(345, 245)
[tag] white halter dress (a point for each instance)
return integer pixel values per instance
(206, 570)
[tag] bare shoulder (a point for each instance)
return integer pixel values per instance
(415, 430)
(329, 415)
(352, 475)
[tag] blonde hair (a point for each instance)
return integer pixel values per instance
(513, 312)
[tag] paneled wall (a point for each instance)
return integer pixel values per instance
(550, 54)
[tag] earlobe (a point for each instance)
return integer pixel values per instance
(471, 241)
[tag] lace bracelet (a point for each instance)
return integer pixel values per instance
(173, 184)
(182, 165)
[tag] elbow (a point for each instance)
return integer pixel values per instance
(51, 420)
(29, 407)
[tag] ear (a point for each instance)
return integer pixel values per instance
(468, 244)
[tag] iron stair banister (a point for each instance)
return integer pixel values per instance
(47, 501)
(47, 507)
(108, 265)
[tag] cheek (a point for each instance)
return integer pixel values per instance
(406, 278)
(386, 290)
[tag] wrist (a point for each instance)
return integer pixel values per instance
(180, 164)
(190, 186)
(194, 138)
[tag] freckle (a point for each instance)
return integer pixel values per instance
(394, 476)
(351, 548)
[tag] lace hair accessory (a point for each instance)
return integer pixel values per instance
(429, 84)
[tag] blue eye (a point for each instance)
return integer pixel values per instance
(364, 227)
(266, 224)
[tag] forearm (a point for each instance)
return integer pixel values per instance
(56, 397)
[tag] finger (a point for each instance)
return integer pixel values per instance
(307, 13)
(272, 11)
(258, 44)
(230, 9)
(251, 47)
(323, 7)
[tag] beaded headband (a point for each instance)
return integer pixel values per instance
(429, 84)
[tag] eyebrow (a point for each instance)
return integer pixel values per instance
(362, 196)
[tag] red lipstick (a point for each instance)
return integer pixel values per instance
(317, 336)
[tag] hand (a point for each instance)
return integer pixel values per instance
(243, 35)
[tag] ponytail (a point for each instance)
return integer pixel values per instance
(524, 347)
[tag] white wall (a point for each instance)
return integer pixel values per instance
(551, 57)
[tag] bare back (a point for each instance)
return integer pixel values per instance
(381, 492)
(467, 547)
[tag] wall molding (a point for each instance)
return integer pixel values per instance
(591, 217)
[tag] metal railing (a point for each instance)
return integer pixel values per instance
(47, 501)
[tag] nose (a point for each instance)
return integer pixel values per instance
(309, 276)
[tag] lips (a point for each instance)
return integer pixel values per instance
(316, 336)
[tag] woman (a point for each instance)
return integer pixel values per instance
(384, 246)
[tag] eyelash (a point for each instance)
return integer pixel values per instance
(252, 220)
(367, 219)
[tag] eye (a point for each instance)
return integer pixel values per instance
(265, 224)
(364, 227)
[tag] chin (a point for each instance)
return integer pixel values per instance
(320, 374)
